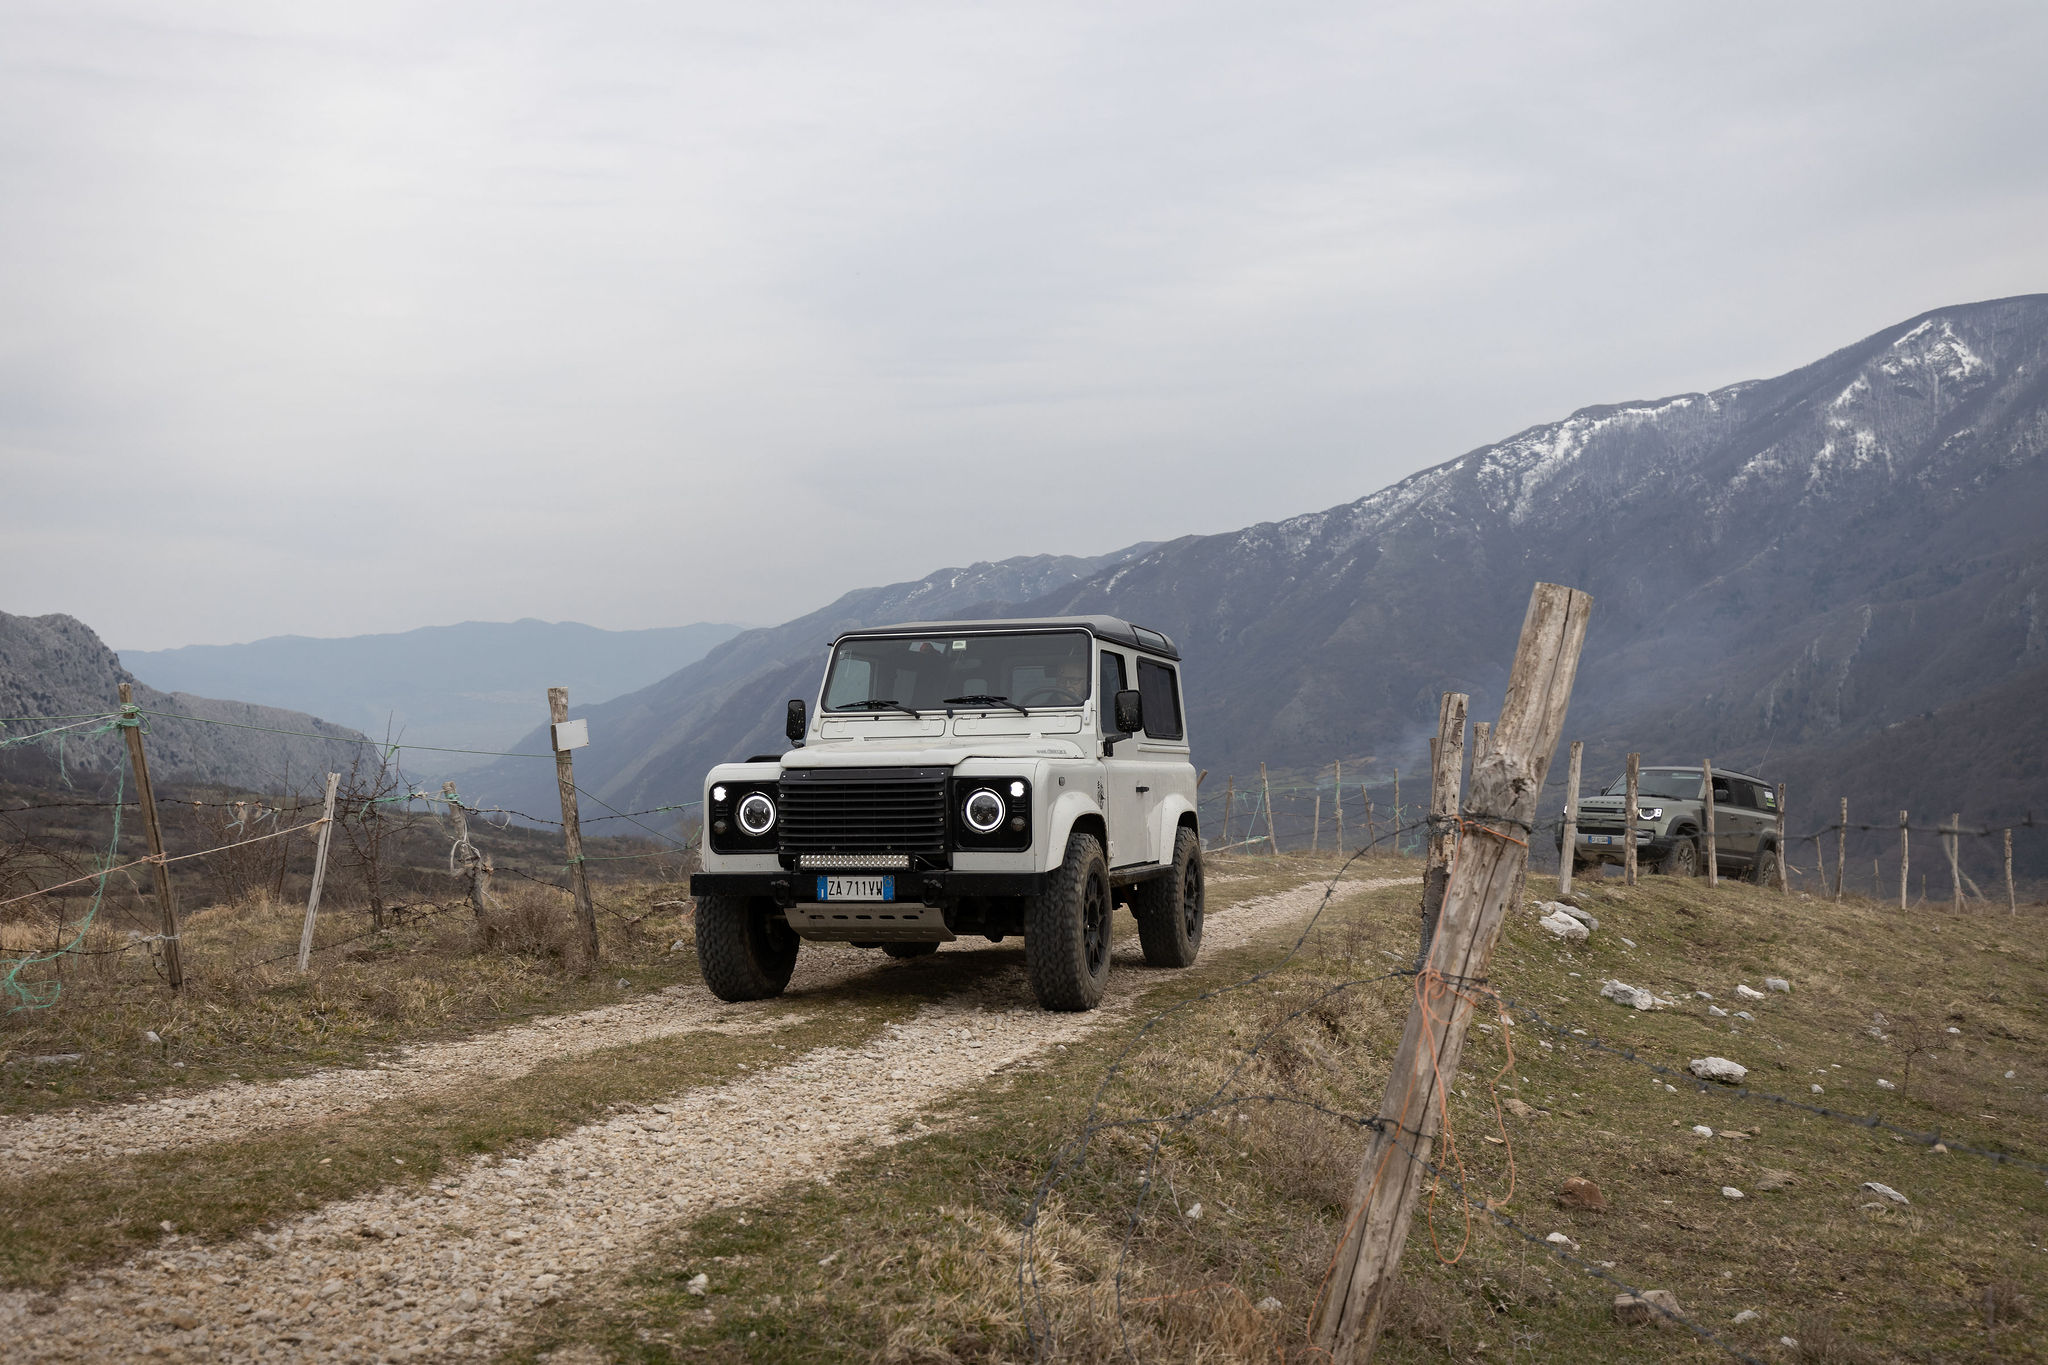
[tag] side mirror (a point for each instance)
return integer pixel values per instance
(1130, 712)
(798, 722)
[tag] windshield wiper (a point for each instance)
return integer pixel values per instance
(875, 704)
(986, 699)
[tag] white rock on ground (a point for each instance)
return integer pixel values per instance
(1717, 1069)
(1884, 1192)
(1749, 992)
(1564, 927)
(1701, 1130)
(1777, 983)
(1730, 1192)
(1634, 997)
(437, 1276)
(1747, 1315)
(1549, 908)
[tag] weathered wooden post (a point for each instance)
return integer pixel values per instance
(2012, 901)
(1446, 777)
(319, 872)
(1339, 797)
(1628, 816)
(1506, 786)
(1315, 834)
(1905, 859)
(1954, 835)
(160, 873)
(1229, 800)
(1707, 787)
(1568, 846)
(566, 740)
(1397, 810)
(1784, 874)
(1842, 848)
(476, 864)
(1272, 840)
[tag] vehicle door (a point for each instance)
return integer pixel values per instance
(1743, 821)
(1123, 803)
(1163, 749)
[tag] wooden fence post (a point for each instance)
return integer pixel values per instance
(319, 871)
(1272, 840)
(1955, 862)
(1820, 864)
(1713, 857)
(572, 828)
(1446, 782)
(1340, 807)
(1842, 849)
(160, 873)
(476, 864)
(1229, 800)
(1568, 845)
(1905, 859)
(1784, 875)
(1628, 816)
(2012, 901)
(1372, 833)
(1506, 787)
(1315, 834)
(1397, 810)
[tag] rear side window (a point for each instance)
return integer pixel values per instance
(1111, 682)
(1161, 700)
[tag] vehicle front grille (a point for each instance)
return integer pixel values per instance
(863, 811)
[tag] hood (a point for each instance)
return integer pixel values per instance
(882, 754)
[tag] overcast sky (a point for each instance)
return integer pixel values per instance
(332, 318)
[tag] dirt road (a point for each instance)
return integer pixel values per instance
(400, 1274)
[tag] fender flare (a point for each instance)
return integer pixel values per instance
(1169, 820)
(1069, 808)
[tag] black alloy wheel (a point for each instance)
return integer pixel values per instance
(1169, 909)
(1067, 930)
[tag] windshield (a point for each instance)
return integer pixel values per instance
(1671, 784)
(932, 672)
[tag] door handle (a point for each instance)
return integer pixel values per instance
(1143, 790)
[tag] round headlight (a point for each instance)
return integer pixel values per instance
(1649, 812)
(756, 813)
(983, 811)
(718, 792)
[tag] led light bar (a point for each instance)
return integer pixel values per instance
(825, 860)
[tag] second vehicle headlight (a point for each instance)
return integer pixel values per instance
(1649, 812)
(756, 813)
(983, 811)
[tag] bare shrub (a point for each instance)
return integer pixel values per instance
(528, 921)
(1822, 1344)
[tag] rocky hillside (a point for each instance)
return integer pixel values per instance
(57, 666)
(1834, 577)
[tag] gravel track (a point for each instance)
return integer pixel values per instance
(37, 1143)
(447, 1272)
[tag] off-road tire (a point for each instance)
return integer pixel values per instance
(1066, 930)
(745, 948)
(1169, 909)
(1683, 860)
(1764, 871)
(908, 950)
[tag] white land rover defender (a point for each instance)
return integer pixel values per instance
(963, 777)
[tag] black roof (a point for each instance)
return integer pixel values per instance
(1104, 627)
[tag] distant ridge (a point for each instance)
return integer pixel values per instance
(477, 685)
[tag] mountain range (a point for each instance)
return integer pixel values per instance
(477, 685)
(1833, 577)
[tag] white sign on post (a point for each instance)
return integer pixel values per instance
(571, 734)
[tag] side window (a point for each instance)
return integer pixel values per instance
(1161, 700)
(1761, 797)
(1111, 682)
(1726, 792)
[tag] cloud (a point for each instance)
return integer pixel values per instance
(327, 318)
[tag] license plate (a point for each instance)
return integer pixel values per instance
(1602, 838)
(856, 888)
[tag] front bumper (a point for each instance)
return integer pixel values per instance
(921, 910)
(1605, 846)
(937, 886)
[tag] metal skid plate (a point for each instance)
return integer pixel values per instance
(870, 921)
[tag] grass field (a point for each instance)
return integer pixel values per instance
(915, 1253)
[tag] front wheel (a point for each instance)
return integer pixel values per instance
(745, 947)
(1066, 930)
(1683, 860)
(1169, 909)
